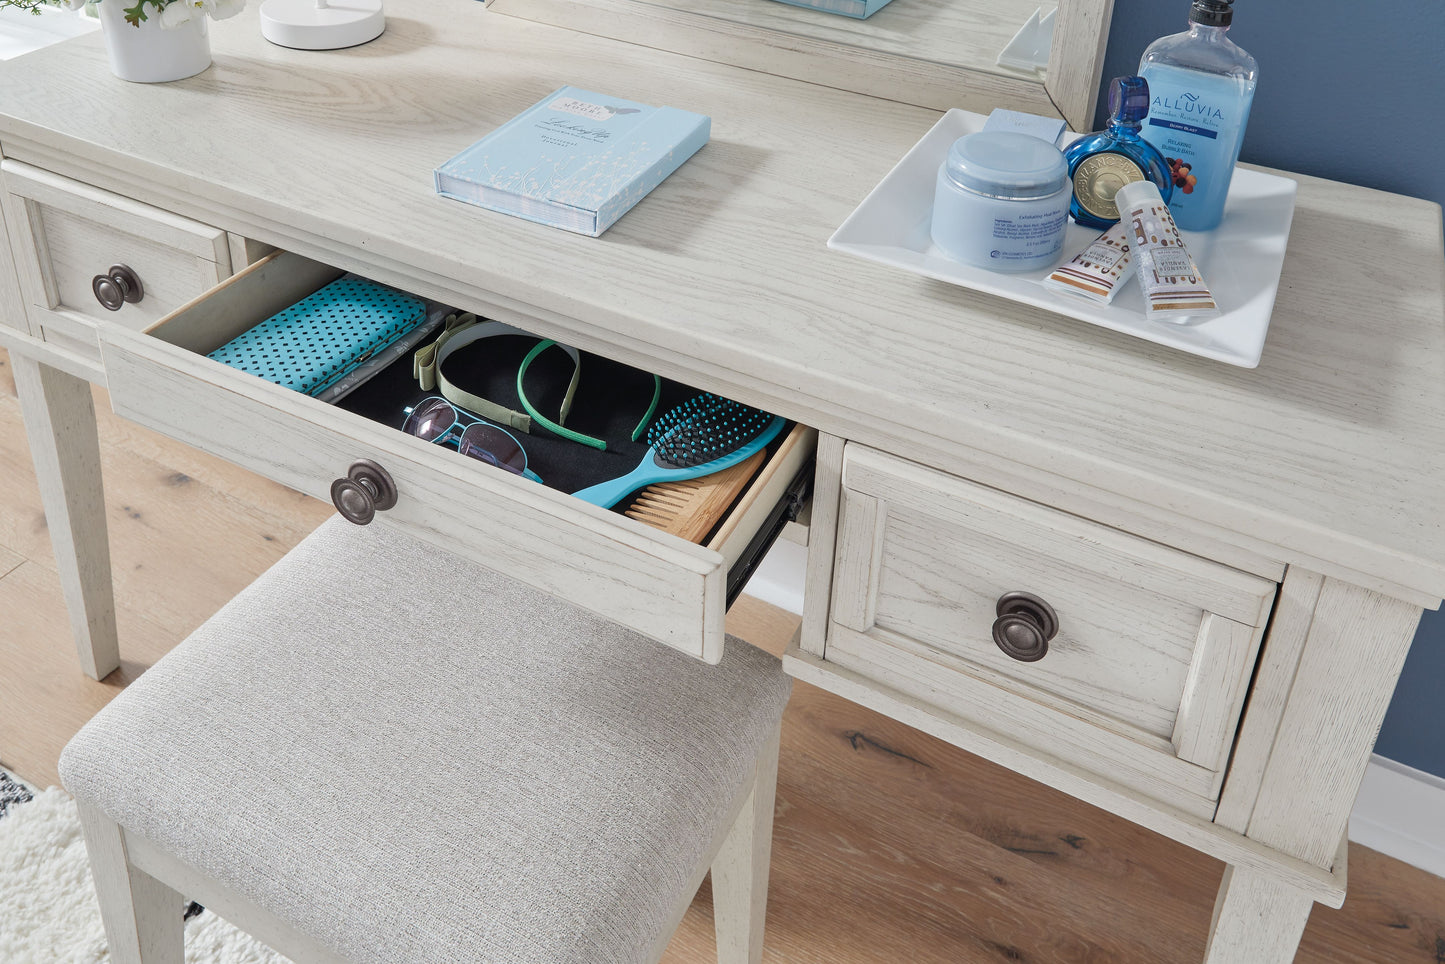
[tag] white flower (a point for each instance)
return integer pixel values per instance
(179, 12)
(74, 4)
(225, 9)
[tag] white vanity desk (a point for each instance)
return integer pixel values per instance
(1170, 509)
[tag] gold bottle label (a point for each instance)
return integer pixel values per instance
(1098, 178)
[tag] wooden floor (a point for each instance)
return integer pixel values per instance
(890, 845)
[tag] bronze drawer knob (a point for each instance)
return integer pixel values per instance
(1024, 626)
(366, 490)
(118, 286)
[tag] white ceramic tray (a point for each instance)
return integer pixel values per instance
(1240, 259)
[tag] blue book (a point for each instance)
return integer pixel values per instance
(575, 160)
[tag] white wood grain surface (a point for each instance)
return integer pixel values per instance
(1352, 657)
(1257, 920)
(1089, 740)
(12, 302)
(1289, 627)
(655, 583)
(1331, 450)
(741, 868)
(931, 53)
(65, 449)
(1214, 690)
(68, 232)
(1145, 632)
(819, 56)
(822, 538)
(142, 915)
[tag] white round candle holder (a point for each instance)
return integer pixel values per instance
(321, 24)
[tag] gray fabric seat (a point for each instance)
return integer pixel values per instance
(414, 759)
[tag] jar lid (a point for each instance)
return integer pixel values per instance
(1006, 164)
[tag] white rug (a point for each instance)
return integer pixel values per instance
(48, 913)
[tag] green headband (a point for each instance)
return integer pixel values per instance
(568, 433)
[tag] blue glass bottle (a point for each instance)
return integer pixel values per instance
(1202, 87)
(1102, 162)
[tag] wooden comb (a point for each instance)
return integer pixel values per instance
(692, 507)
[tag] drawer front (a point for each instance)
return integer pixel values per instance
(65, 234)
(657, 584)
(1144, 681)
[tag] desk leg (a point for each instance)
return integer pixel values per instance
(60, 424)
(1316, 743)
(1257, 920)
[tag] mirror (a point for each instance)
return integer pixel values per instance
(932, 53)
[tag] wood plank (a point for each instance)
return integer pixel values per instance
(1059, 535)
(741, 868)
(116, 212)
(142, 916)
(44, 697)
(822, 538)
(12, 301)
(1257, 920)
(1214, 691)
(1077, 58)
(861, 520)
(622, 569)
(997, 717)
(60, 426)
(158, 493)
(1357, 645)
(805, 52)
(1288, 628)
(1087, 786)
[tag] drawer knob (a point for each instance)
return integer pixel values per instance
(1024, 626)
(117, 287)
(366, 490)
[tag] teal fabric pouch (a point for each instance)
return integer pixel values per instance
(324, 336)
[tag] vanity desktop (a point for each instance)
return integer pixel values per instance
(1179, 590)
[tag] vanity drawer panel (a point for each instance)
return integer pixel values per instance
(1154, 647)
(67, 233)
(666, 588)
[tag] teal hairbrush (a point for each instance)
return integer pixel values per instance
(703, 435)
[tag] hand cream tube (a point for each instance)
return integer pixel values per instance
(1173, 287)
(1098, 271)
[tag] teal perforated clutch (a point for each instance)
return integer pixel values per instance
(324, 336)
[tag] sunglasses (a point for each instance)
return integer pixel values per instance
(435, 419)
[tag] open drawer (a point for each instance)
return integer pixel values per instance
(656, 583)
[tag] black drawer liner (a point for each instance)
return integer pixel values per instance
(610, 399)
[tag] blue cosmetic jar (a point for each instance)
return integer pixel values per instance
(1002, 202)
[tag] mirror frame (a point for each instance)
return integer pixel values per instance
(1070, 88)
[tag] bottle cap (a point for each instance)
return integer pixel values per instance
(1129, 98)
(1003, 164)
(1212, 13)
(1136, 194)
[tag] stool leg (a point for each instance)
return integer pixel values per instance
(740, 870)
(142, 916)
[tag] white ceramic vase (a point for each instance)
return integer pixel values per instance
(149, 54)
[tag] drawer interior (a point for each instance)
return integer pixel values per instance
(610, 400)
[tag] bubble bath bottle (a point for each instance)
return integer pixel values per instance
(1201, 86)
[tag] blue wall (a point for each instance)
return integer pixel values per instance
(1315, 113)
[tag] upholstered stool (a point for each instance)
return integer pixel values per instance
(380, 753)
